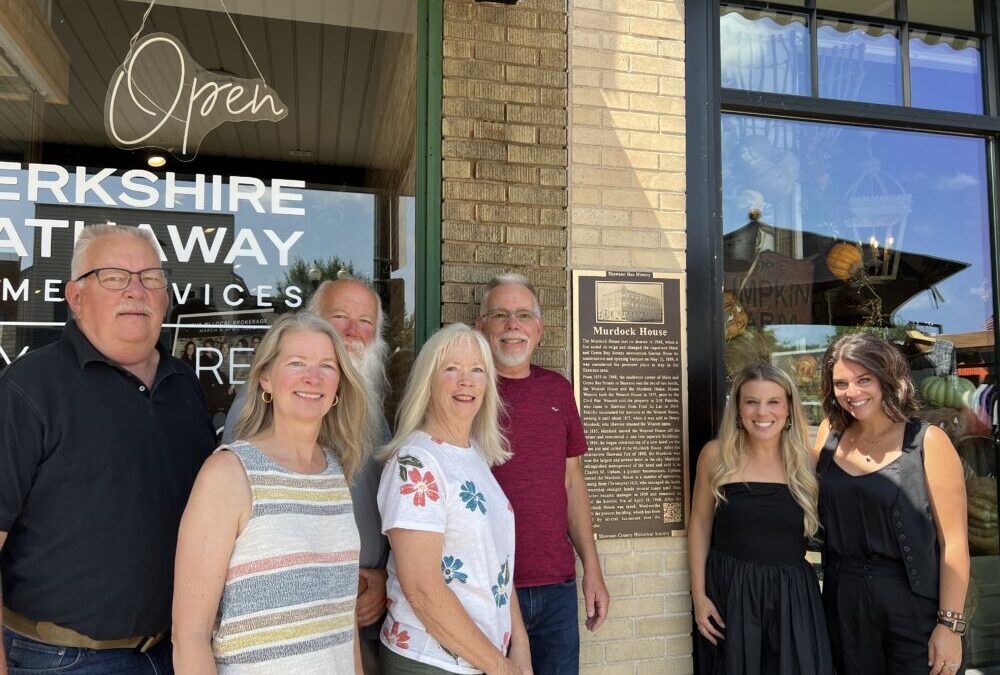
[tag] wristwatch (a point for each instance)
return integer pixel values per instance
(954, 625)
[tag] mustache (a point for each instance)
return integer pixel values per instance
(133, 307)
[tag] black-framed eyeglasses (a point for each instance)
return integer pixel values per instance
(117, 279)
(502, 315)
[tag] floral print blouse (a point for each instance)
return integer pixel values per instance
(432, 486)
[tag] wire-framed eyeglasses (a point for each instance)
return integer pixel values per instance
(117, 279)
(502, 315)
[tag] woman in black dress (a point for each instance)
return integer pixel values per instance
(892, 503)
(756, 600)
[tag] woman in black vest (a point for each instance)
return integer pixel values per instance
(892, 505)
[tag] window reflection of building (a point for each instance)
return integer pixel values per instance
(889, 207)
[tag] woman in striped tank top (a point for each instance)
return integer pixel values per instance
(267, 556)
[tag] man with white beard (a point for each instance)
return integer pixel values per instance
(355, 312)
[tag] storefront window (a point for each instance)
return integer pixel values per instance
(880, 8)
(832, 229)
(945, 73)
(769, 51)
(764, 51)
(859, 62)
(289, 159)
(960, 14)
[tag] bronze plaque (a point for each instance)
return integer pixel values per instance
(630, 376)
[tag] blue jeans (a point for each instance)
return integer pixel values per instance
(30, 657)
(550, 615)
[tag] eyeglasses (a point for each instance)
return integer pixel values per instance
(519, 315)
(117, 279)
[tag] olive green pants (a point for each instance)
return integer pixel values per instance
(392, 663)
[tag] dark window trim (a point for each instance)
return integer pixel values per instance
(430, 36)
(851, 112)
(706, 346)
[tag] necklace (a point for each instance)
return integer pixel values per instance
(873, 441)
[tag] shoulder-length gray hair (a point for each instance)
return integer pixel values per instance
(413, 408)
(343, 429)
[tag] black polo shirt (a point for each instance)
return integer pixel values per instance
(95, 471)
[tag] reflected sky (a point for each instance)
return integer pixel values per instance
(859, 63)
(855, 184)
(945, 73)
(766, 52)
(769, 52)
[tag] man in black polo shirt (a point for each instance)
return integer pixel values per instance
(101, 436)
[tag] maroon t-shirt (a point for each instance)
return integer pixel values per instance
(544, 429)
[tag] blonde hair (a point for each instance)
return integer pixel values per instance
(413, 408)
(343, 429)
(795, 454)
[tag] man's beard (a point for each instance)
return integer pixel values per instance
(370, 364)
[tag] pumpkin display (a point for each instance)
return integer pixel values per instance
(736, 318)
(984, 535)
(843, 260)
(948, 391)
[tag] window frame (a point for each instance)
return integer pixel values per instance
(430, 39)
(813, 15)
(707, 101)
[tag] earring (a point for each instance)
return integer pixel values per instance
(739, 424)
(336, 400)
(788, 424)
(266, 396)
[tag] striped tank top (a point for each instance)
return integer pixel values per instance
(288, 602)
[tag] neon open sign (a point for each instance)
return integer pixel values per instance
(161, 97)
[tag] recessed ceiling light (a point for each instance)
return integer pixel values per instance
(156, 161)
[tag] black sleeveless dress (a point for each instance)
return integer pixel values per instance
(763, 587)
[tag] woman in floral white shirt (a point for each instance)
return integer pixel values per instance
(452, 608)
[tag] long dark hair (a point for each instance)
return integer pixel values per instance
(882, 360)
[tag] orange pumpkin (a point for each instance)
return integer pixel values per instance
(843, 260)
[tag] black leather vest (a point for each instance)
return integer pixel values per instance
(912, 520)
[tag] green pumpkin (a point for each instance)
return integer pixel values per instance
(948, 391)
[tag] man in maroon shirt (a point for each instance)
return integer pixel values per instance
(544, 481)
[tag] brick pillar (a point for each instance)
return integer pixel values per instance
(504, 158)
(627, 211)
(506, 178)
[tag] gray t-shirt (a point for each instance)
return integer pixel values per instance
(364, 496)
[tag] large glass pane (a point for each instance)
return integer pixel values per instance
(831, 229)
(880, 8)
(859, 62)
(951, 14)
(252, 209)
(764, 51)
(945, 73)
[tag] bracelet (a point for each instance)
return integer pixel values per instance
(955, 625)
(949, 614)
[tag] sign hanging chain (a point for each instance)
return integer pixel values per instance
(145, 17)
